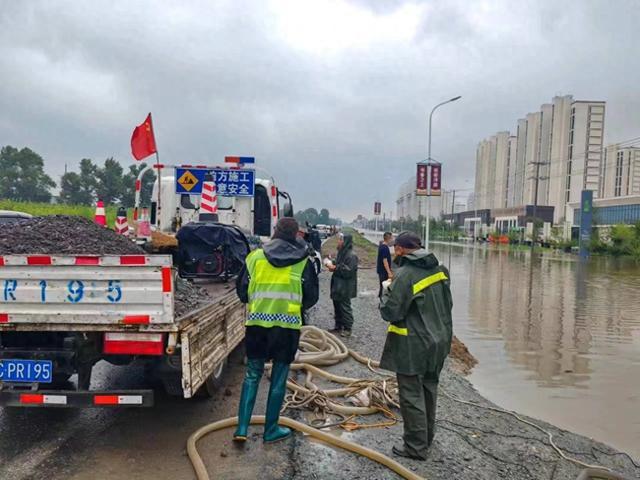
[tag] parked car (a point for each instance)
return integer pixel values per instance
(7, 216)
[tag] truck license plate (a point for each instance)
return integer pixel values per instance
(32, 371)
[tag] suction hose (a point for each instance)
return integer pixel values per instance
(201, 470)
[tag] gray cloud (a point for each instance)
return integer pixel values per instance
(338, 125)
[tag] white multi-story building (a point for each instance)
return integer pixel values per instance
(559, 151)
(452, 201)
(501, 180)
(511, 170)
(561, 146)
(584, 162)
(532, 156)
(620, 172)
(409, 205)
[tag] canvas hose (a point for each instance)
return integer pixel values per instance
(320, 348)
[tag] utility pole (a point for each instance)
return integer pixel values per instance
(537, 178)
(453, 204)
(429, 160)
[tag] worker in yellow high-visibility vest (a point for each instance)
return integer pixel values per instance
(278, 282)
(417, 306)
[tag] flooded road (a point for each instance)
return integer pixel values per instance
(555, 339)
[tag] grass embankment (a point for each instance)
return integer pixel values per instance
(43, 209)
(365, 250)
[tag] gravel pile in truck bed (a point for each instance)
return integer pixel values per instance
(62, 235)
(188, 297)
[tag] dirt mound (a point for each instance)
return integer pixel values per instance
(62, 235)
(463, 361)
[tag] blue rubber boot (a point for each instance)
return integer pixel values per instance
(255, 368)
(272, 431)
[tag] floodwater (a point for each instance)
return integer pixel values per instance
(556, 338)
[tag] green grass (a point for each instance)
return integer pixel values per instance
(43, 209)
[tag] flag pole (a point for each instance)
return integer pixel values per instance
(158, 206)
(159, 173)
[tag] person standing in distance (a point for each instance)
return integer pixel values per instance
(417, 306)
(279, 283)
(344, 285)
(384, 261)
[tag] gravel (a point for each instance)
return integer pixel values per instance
(62, 235)
(72, 235)
(189, 297)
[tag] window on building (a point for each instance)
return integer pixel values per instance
(618, 185)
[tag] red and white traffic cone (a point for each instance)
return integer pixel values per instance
(208, 202)
(100, 217)
(144, 226)
(122, 226)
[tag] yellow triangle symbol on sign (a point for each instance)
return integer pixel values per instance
(188, 180)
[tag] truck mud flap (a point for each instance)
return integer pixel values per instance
(75, 399)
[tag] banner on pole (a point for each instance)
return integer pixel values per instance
(435, 179)
(377, 208)
(421, 180)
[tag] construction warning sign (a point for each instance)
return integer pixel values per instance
(186, 181)
(229, 182)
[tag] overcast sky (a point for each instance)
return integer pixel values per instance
(332, 97)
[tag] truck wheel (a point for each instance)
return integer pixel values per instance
(172, 384)
(214, 382)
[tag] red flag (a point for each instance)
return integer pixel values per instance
(143, 143)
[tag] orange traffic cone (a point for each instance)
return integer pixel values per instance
(122, 226)
(100, 217)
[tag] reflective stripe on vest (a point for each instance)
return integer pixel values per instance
(294, 297)
(428, 281)
(275, 293)
(397, 330)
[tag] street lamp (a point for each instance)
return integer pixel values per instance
(426, 227)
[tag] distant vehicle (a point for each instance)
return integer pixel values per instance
(7, 216)
(324, 231)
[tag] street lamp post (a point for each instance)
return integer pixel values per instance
(428, 200)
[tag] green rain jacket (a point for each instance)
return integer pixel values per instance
(344, 281)
(418, 306)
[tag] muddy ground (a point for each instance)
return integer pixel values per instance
(140, 444)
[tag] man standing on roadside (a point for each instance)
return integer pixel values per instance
(417, 306)
(384, 261)
(344, 285)
(279, 283)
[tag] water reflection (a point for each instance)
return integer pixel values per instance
(554, 334)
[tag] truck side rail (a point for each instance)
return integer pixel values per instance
(82, 292)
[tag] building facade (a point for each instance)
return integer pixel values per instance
(559, 149)
(409, 205)
(620, 172)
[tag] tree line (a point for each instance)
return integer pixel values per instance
(24, 179)
(313, 217)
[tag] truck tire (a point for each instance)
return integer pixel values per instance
(214, 382)
(172, 384)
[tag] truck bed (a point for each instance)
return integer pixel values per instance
(210, 333)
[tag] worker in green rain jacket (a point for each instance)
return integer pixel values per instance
(417, 306)
(278, 282)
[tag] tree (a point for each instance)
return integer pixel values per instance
(71, 189)
(310, 215)
(88, 182)
(109, 186)
(129, 185)
(324, 217)
(23, 177)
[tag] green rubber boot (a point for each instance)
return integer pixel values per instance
(255, 368)
(272, 431)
